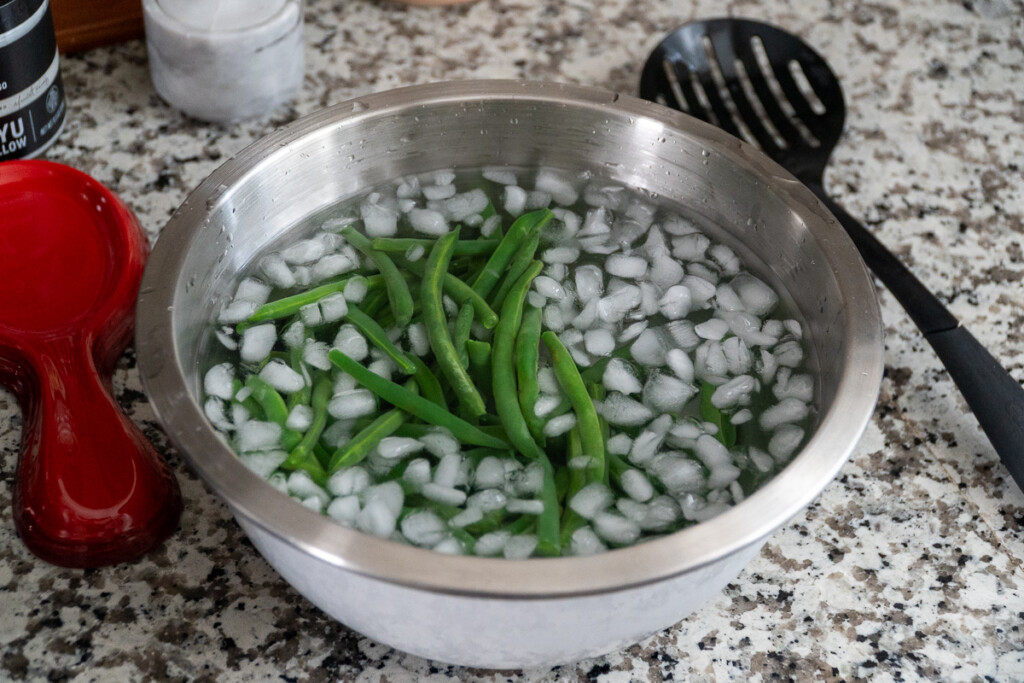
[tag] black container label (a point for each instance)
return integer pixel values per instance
(31, 93)
(34, 125)
(24, 61)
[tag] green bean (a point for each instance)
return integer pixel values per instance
(598, 392)
(302, 457)
(461, 293)
(617, 467)
(413, 404)
(360, 446)
(462, 248)
(506, 249)
(273, 405)
(290, 305)
(522, 525)
(527, 360)
(577, 480)
(460, 335)
(503, 369)
(374, 301)
(427, 382)
(376, 334)
(415, 431)
(303, 395)
(323, 456)
(503, 379)
(520, 262)
(586, 414)
(437, 327)
(464, 537)
(398, 290)
(495, 430)
(491, 522)
(479, 353)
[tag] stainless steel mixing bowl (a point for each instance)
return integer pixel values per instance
(492, 612)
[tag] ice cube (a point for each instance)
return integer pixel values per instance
(675, 302)
(616, 529)
(304, 252)
(424, 528)
(352, 404)
(465, 206)
(558, 186)
(344, 510)
(620, 444)
(666, 271)
(299, 418)
(735, 392)
(492, 543)
(350, 342)
(637, 486)
(591, 499)
(623, 411)
(585, 542)
(500, 176)
(784, 442)
(726, 258)
(251, 289)
(599, 342)
(690, 247)
(666, 393)
(679, 474)
(443, 494)
(537, 199)
(258, 342)
(620, 376)
(737, 355)
(264, 463)
(520, 547)
(428, 222)
(219, 381)
(315, 354)
(632, 267)
(565, 255)
(349, 481)
(277, 271)
(487, 500)
(379, 219)
(395, 447)
(439, 192)
(789, 354)
(557, 426)
(785, 411)
(649, 349)
(549, 288)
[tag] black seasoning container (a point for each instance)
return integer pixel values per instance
(31, 93)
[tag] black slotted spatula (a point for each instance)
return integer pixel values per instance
(768, 87)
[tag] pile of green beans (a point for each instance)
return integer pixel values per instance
(478, 381)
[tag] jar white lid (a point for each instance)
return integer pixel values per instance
(222, 15)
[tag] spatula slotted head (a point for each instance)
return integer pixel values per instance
(755, 81)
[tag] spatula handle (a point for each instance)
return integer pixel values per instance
(996, 399)
(91, 490)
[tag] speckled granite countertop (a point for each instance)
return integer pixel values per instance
(909, 566)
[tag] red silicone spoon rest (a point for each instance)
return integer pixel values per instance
(90, 490)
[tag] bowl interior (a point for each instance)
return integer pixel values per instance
(278, 183)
